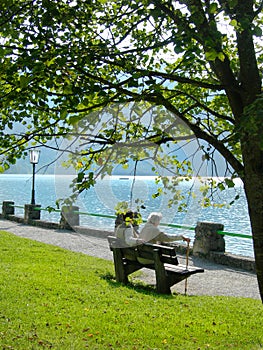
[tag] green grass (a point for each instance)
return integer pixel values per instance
(51, 298)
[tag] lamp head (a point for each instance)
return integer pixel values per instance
(34, 155)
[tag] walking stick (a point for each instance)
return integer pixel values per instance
(186, 265)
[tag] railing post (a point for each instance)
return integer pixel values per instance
(31, 212)
(207, 239)
(8, 208)
(69, 217)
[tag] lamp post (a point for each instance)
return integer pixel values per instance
(34, 158)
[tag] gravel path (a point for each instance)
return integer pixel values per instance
(216, 280)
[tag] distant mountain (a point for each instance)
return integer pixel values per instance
(46, 166)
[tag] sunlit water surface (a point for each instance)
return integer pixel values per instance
(108, 192)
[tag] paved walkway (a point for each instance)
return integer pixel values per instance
(216, 280)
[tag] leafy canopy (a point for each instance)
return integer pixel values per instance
(124, 79)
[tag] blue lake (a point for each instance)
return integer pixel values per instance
(108, 192)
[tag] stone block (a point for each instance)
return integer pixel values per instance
(8, 208)
(207, 239)
(32, 212)
(69, 217)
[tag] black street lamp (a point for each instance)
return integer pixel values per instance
(34, 158)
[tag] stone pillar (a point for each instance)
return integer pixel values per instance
(207, 239)
(31, 213)
(8, 208)
(69, 217)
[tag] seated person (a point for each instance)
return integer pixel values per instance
(152, 234)
(120, 219)
(126, 231)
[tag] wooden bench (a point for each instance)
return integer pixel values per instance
(168, 271)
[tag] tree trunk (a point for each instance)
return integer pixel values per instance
(253, 185)
(254, 193)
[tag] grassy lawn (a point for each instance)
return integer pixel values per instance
(51, 298)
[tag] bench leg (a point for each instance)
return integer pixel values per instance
(120, 273)
(162, 283)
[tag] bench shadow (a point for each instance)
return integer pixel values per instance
(138, 286)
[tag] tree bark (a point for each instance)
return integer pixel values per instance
(253, 185)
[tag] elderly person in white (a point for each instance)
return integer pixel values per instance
(152, 234)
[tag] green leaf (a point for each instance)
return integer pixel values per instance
(221, 56)
(257, 31)
(221, 186)
(50, 62)
(213, 8)
(233, 23)
(211, 55)
(232, 3)
(24, 81)
(80, 176)
(230, 183)
(63, 113)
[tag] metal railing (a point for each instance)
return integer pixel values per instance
(183, 227)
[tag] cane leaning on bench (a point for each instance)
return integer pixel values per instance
(131, 255)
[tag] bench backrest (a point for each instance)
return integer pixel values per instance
(167, 254)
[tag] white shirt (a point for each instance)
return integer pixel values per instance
(128, 234)
(151, 233)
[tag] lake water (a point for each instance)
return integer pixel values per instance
(108, 192)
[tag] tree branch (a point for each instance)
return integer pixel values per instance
(199, 133)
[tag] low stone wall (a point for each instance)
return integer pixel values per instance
(39, 223)
(237, 261)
